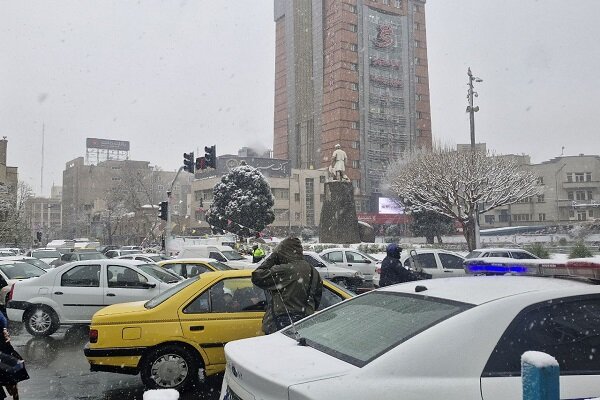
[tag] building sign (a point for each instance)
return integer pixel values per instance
(389, 206)
(380, 219)
(107, 144)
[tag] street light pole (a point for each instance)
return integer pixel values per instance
(472, 110)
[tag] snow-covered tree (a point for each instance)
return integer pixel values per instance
(242, 204)
(14, 227)
(431, 224)
(459, 184)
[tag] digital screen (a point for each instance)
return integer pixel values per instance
(389, 206)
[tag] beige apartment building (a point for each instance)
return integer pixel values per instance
(45, 215)
(94, 193)
(569, 193)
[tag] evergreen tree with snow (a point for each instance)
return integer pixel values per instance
(242, 204)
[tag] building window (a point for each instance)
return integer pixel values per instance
(579, 195)
(417, 26)
(354, 105)
(386, 2)
(354, 86)
(540, 198)
(571, 213)
(353, 47)
(570, 195)
(520, 217)
(417, 44)
(355, 164)
(489, 219)
(589, 195)
(350, 7)
(354, 125)
(579, 176)
(353, 28)
(355, 145)
(591, 213)
(588, 176)
(417, 61)
(418, 97)
(353, 66)
(397, 3)
(421, 79)
(322, 179)
(296, 196)
(569, 177)
(541, 216)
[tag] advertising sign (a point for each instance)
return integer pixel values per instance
(389, 206)
(107, 144)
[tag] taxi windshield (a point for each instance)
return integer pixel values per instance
(159, 273)
(167, 294)
(360, 330)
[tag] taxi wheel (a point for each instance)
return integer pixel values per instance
(41, 321)
(169, 367)
(341, 282)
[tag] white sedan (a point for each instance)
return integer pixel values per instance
(73, 292)
(456, 339)
(353, 259)
(435, 262)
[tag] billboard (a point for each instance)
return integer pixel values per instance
(107, 144)
(389, 206)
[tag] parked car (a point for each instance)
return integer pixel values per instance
(146, 257)
(501, 252)
(12, 271)
(47, 255)
(436, 262)
(456, 339)
(192, 267)
(353, 259)
(77, 256)
(119, 252)
(172, 337)
(138, 248)
(344, 277)
(73, 292)
(105, 248)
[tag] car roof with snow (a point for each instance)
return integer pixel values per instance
(482, 289)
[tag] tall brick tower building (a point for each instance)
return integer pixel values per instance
(352, 72)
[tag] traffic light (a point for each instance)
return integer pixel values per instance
(210, 156)
(163, 210)
(188, 162)
(200, 163)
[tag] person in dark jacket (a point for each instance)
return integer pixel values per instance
(293, 286)
(392, 270)
(12, 367)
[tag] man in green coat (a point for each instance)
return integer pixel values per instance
(295, 287)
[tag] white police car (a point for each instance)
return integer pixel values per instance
(456, 339)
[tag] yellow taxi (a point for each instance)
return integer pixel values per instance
(172, 337)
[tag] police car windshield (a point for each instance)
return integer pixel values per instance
(360, 330)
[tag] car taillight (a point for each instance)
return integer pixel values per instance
(12, 291)
(93, 335)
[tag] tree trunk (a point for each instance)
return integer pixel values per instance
(429, 239)
(439, 238)
(469, 234)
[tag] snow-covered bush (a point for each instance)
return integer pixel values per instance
(538, 249)
(243, 203)
(580, 251)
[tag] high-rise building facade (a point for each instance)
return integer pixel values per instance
(352, 72)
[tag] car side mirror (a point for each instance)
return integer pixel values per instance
(368, 261)
(148, 285)
(320, 265)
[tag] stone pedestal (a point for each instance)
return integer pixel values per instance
(339, 223)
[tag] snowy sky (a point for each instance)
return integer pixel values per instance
(175, 76)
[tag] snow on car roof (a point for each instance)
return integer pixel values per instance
(482, 289)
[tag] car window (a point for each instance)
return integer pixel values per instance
(474, 254)
(176, 268)
(232, 255)
(196, 269)
(334, 256)
(568, 330)
(91, 256)
(227, 296)
(356, 258)
(312, 261)
(220, 266)
(346, 331)
(450, 261)
(65, 257)
(521, 255)
(46, 254)
(81, 276)
(124, 277)
(425, 260)
(498, 254)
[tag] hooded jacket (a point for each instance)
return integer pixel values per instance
(392, 270)
(294, 286)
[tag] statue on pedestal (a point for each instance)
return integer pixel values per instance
(338, 164)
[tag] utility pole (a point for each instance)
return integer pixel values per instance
(472, 110)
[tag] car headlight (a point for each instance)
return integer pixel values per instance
(358, 274)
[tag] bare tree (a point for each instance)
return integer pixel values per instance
(459, 184)
(14, 227)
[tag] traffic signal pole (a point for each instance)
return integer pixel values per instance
(168, 224)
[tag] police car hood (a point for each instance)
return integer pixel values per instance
(268, 365)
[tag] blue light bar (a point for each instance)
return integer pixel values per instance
(498, 269)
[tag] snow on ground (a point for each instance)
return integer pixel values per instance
(161, 394)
